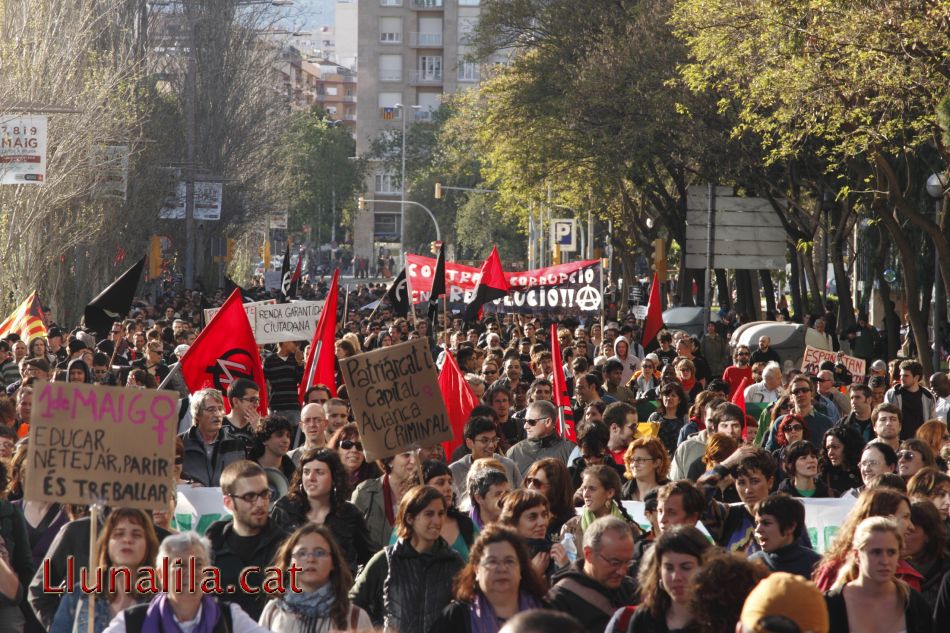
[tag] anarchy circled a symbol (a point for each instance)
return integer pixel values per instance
(231, 365)
(400, 288)
(587, 299)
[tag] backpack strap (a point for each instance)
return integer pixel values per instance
(591, 596)
(623, 622)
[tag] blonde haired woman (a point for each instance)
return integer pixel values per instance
(867, 595)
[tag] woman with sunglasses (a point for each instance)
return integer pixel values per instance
(913, 455)
(346, 442)
(646, 380)
(551, 478)
(791, 429)
(838, 462)
(318, 494)
(497, 584)
(324, 579)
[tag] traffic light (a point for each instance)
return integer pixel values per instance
(229, 250)
(438, 191)
(155, 257)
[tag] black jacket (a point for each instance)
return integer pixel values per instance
(230, 563)
(917, 615)
(794, 559)
(586, 599)
(347, 526)
(206, 470)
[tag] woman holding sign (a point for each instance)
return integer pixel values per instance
(128, 542)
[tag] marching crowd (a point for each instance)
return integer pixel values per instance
(518, 529)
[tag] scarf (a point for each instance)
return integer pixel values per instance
(688, 385)
(482, 613)
(388, 501)
(310, 607)
(587, 517)
(159, 618)
(476, 517)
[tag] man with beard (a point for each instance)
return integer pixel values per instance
(248, 539)
(733, 374)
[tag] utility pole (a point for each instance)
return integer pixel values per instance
(333, 214)
(190, 89)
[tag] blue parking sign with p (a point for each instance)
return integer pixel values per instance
(563, 234)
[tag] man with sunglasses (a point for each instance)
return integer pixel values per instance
(542, 440)
(803, 392)
(247, 539)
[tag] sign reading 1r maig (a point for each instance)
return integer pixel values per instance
(396, 399)
(109, 445)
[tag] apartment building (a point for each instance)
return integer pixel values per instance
(411, 53)
(319, 82)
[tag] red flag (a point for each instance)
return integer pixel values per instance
(561, 399)
(321, 355)
(738, 399)
(492, 285)
(223, 352)
(654, 322)
(459, 401)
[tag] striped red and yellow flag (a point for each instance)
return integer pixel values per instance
(26, 320)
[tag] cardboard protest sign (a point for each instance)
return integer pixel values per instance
(108, 445)
(396, 400)
(197, 508)
(250, 308)
(293, 321)
(814, 357)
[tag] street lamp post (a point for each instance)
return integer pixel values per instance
(937, 186)
(402, 185)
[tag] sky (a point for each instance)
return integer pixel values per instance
(314, 13)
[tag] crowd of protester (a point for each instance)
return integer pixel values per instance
(519, 529)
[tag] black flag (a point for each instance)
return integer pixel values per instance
(286, 277)
(113, 303)
(230, 286)
(438, 289)
(398, 295)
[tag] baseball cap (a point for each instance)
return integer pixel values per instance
(788, 596)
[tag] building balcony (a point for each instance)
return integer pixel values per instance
(424, 115)
(425, 5)
(425, 78)
(349, 117)
(425, 40)
(390, 75)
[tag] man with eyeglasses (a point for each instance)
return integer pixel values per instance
(248, 538)
(244, 396)
(313, 424)
(209, 448)
(803, 392)
(481, 438)
(542, 440)
(597, 583)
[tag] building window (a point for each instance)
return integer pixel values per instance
(390, 67)
(392, 3)
(386, 226)
(430, 67)
(468, 71)
(386, 183)
(387, 105)
(469, 3)
(390, 30)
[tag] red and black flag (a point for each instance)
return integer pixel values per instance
(223, 352)
(654, 321)
(560, 396)
(113, 303)
(438, 288)
(289, 280)
(491, 285)
(398, 295)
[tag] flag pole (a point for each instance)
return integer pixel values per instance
(346, 302)
(412, 306)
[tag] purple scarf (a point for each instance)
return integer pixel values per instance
(476, 517)
(161, 619)
(482, 612)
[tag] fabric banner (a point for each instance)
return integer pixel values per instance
(396, 399)
(109, 445)
(198, 508)
(576, 286)
(294, 321)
